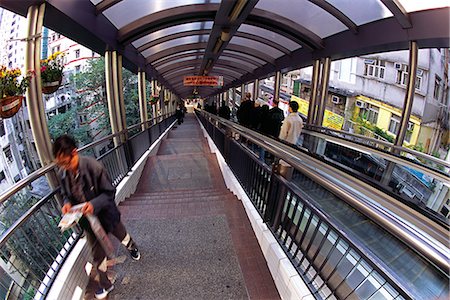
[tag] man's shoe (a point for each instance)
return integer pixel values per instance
(102, 293)
(134, 253)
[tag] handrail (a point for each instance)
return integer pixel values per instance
(388, 156)
(414, 236)
(26, 181)
(387, 144)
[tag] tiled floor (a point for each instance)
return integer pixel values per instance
(184, 182)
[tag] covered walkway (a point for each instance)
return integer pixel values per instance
(195, 238)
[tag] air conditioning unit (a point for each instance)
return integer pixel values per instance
(369, 61)
(419, 72)
(410, 126)
(398, 66)
(360, 104)
(336, 100)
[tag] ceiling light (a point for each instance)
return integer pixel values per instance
(217, 46)
(225, 35)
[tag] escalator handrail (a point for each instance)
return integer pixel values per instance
(359, 195)
(388, 156)
(436, 160)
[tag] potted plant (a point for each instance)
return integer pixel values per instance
(51, 72)
(154, 99)
(12, 87)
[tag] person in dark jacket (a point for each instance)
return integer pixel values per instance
(179, 114)
(244, 113)
(275, 118)
(224, 111)
(85, 180)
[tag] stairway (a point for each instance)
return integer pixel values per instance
(194, 235)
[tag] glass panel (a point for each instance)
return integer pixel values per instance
(95, 2)
(171, 30)
(277, 38)
(174, 43)
(180, 60)
(231, 59)
(246, 56)
(128, 11)
(256, 45)
(414, 5)
(194, 52)
(362, 12)
(305, 13)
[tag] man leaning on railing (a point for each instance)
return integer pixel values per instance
(85, 180)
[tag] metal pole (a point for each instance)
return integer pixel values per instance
(154, 105)
(121, 115)
(142, 98)
(36, 107)
(256, 89)
(313, 97)
(410, 90)
(242, 93)
(110, 94)
(323, 91)
(276, 86)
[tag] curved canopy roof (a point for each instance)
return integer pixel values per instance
(242, 40)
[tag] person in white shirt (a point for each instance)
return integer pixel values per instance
(292, 125)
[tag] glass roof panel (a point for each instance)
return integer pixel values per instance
(194, 52)
(127, 11)
(256, 45)
(306, 14)
(95, 2)
(171, 30)
(235, 60)
(246, 55)
(180, 60)
(277, 38)
(415, 5)
(362, 12)
(174, 43)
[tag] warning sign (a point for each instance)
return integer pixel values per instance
(203, 81)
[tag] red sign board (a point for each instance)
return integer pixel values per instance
(203, 81)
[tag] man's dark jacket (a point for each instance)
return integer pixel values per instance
(97, 189)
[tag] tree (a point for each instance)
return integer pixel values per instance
(63, 123)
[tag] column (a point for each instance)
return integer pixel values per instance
(256, 89)
(323, 91)
(276, 86)
(142, 99)
(36, 106)
(314, 91)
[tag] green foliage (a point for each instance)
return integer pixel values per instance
(63, 123)
(383, 134)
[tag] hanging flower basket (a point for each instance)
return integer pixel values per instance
(51, 87)
(10, 105)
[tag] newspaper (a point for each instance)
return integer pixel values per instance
(71, 218)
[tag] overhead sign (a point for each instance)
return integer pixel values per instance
(203, 81)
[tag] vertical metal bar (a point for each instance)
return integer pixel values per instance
(297, 227)
(324, 238)
(242, 93)
(121, 117)
(323, 91)
(153, 105)
(283, 218)
(142, 99)
(110, 95)
(314, 89)
(313, 236)
(277, 85)
(291, 222)
(410, 90)
(308, 223)
(338, 239)
(256, 89)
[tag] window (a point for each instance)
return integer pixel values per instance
(2, 176)
(374, 68)
(369, 114)
(2, 128)
(77, 53)
(8, 154)
(437, 87)
(402, 77)
(394, 125)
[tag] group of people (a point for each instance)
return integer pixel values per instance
(271, 121)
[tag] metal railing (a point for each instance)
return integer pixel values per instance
(32, 248)
(333, 262)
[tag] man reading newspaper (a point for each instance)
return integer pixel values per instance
(85, 181)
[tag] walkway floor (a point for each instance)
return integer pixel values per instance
(194, 235)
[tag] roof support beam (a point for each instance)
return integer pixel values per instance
(104, 5)
(399, 12)
(166, 18)
(172, 37)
